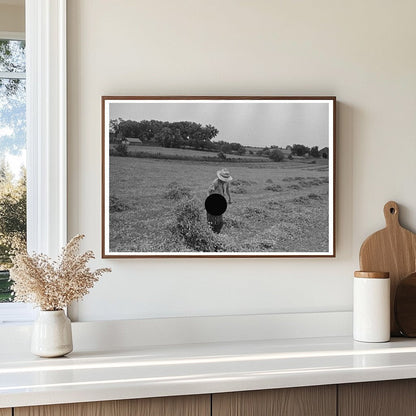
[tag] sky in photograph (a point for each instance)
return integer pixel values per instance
(251, 124)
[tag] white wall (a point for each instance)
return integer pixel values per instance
(361, 51)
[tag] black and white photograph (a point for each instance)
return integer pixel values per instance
(218, 176)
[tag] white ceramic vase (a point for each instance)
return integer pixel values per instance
(52, 334)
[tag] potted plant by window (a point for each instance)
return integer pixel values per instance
(52, 286)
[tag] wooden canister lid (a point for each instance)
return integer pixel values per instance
(372, 275)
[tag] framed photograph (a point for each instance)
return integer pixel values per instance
(218, 176)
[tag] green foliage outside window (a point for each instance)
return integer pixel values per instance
(12, 223)
(12, 148)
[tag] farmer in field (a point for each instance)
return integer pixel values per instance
(220, 185)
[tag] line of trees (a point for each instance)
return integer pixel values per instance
(275, 153)
(165, 133)
(179, 134)
(226, 147)
(301, 150)
(189, 134)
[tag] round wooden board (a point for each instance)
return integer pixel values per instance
(392, 250)
(405, 306)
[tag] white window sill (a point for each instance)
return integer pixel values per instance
(16, 313)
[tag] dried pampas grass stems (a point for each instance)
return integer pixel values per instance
(53, 285)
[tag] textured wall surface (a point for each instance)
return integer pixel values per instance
(362, 52)
(12, 18)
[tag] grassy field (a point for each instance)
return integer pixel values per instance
(276, 207)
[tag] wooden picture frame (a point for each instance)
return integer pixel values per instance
(163, 155)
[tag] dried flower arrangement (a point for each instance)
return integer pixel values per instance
(53, 285)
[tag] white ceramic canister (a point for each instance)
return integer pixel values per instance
(52, 334)
(371, 322)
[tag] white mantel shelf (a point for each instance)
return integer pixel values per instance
(151, 371)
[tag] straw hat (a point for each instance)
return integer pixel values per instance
(224, 175)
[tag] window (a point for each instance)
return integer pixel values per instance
(12, 155)
(45, 92)
(12, 164)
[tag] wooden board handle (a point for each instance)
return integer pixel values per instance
(391, 214)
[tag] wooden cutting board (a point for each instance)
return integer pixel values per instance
(393, 250)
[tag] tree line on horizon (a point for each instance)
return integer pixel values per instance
(295, 150)
(189, 134)
(178, 134)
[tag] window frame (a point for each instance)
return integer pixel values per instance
(12, 35)
(46, 125)
(46, 137)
